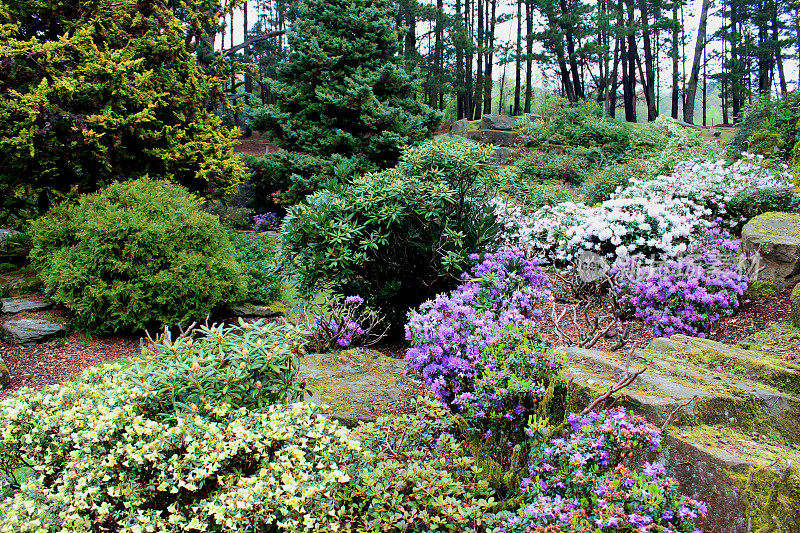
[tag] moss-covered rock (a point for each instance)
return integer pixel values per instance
(776, 237)
(358, 385)
(795, 302)
(5, 376)
(761, 289)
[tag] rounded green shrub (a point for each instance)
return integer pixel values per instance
(134, 255)
(397, 237)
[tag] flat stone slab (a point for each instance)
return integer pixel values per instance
(24, 305)
(256, 310)
(776, 237)
(28, 331)
(357, 385)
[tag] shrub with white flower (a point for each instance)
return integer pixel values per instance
(710, 185)
(618, 228)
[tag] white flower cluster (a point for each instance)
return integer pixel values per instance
(617, 228)
(655, 218)
(710, 184)
(99, 459)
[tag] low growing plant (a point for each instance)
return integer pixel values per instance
(251, 365)
(343, 323)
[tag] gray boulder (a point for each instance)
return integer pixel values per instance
(495, 137)
(459, 127)
(776, 238)
(23, 305)
(685, 124)
(256, 310)
(28, 331)
(501, 155)
(498, 122)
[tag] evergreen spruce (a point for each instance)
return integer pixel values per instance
(343, 88)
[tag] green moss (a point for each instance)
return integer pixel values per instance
(790, 230)
(771, 497)
(795, 303)
(761, 289)
(5, 377)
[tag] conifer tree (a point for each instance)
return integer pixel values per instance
(344, 89)
(93, 91)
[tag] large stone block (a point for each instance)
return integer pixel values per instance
(27, 331)
(495, 137)
(776, 237)
(498, 122)
(24, 305)
(459, 127)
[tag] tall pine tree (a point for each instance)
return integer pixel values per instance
(344, 88)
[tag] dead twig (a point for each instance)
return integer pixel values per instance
(675, 411)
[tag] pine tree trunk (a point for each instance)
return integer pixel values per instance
(518, 65)
(529, 56)
(468, 60)
(487, 89)
(629, 82)
(674, 54)
(479, 72)
(699, 48)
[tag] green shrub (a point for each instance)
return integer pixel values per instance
(284, 178)
(393, 238)
(753, 202)
(250, 365)
(570, 167)
(581, 125)
(101, 462)
(96, 92)
(770, 128)
(134, 255)
(256, 253)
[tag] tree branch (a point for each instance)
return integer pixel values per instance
(255, 39)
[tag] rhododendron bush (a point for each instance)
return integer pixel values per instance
(449, 333)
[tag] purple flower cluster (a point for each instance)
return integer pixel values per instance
(449, 333)
(346, 323)
(688, 295)
(512, 376)
(265, 221)
(579, 483)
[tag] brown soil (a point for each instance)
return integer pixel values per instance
(257, 145)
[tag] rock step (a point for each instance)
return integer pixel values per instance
(720, 398)
(737, 474)
(28, 331)
(24, 305)
(257, 310)
(357, 385)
